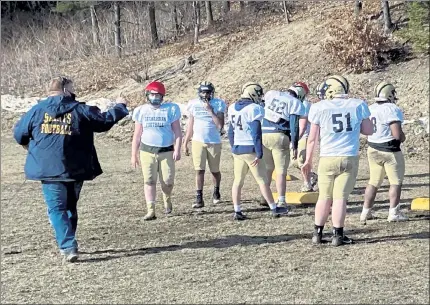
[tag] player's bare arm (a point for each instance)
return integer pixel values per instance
(138, 129)
(397, 132)
(188, 135)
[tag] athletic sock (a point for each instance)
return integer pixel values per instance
(319, 229)
(199, 192)
(365, 210)
(237, 208)
(338, 231)
(281, 199)
(272, 206)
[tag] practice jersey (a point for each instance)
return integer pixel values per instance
(381, 116)
(278, 108)
(307, 106)
(157, 123)
(339, 120)
(240, 119)
(204, 129)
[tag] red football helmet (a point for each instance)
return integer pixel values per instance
(303, 85)
(156, 87)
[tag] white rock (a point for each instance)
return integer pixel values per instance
(17, 104)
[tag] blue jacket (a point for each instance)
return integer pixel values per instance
(59, 132)
(256, 134)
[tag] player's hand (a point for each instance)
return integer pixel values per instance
(135, 162)
(186, 149)
(177, 155)
(255, 162)
(208, 106)
(294, 154)
(306, 169)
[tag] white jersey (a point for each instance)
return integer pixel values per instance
(157, 123)
(204, 129)
(381, 116)
(240, 118)
(278, 108)
(339, 120)
(307, 106)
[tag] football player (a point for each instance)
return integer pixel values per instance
(156, 145)
(310, 181)
(282, 112)
(245, 117)
(384, 154)
(337, 121)
(206, 119)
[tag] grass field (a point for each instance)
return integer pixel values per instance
(205, 257)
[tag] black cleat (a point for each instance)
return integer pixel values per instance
(199, 202)
(239, 216)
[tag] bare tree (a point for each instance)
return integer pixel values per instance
(153, 24)
(209, 15)
(388, 25)
(117, 23)
(358, 6)
(175, 20)
(196, 5)
(287, 18)
(94, 25)
(225, 7)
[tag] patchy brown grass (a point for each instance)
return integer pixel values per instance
(205, 258)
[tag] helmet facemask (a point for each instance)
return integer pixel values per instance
(154, 98)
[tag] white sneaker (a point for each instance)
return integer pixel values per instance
(366, 216)
(306, 188)
(282, 205)
(395, 215)
(70, 256)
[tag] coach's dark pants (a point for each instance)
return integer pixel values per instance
(61, 199)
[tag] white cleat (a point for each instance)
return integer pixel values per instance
(399, 216)
(366, 216)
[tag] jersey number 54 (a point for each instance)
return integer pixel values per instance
(237, 123)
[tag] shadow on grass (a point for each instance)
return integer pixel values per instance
(217, 243)
(388, 238)
(357, 206)
(359, 190)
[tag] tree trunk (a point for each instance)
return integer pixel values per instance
(94, 25)
(287, 18)
(175, 20)
(117, 24)
(388, 25)
(242, 5)
(196, 5)
(358, 6)
(209, 15)
(153, 24)
(225, 7)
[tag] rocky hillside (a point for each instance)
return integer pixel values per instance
(275, 55)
